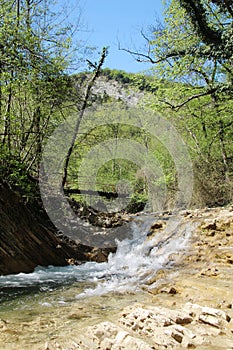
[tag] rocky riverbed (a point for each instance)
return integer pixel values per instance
(187, 306)
(191, 307)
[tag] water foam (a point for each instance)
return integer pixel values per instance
(137, 259)
(133, 264)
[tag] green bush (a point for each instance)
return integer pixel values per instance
(14, 172)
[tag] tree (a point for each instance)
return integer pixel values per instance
(35, 52)
(194, 34)
(97, 69)
(192, 54)
(216, 34)
(213, 24)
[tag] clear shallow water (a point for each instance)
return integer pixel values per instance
(133, 264)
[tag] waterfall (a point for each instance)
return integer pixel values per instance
(139, 258)
(136, 260)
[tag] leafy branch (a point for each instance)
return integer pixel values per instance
(193, 97)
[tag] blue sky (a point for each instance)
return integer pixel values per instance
(110, 22)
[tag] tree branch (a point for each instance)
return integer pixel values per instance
(197, 13)
(141, 57)
(193, 97)
(226, 3)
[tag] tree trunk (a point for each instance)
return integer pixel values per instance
(7, 126)
(83, 108)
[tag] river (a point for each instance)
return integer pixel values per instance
(44, 304)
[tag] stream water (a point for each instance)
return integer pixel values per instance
(94, 288)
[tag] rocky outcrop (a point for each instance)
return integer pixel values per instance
(141, 327)
(130, 96)
(29, 239)
(191, 305)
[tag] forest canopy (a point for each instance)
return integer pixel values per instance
(190, 83)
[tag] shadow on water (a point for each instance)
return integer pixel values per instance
(13, 293)
(14, 288)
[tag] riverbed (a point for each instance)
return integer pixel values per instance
(53, 307)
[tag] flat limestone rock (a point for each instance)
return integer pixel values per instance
(107, 335)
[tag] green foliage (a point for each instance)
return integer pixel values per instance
(182, 54)
(118, 75)
(196, 93)
(143, 82)
(35, 89)
(212, 22)
(190, 85)
(114, 171)
(137, 202)
(14, 172)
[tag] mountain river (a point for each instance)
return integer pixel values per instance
(56, 302)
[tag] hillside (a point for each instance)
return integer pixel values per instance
(206, 138)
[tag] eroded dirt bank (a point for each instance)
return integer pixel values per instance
(29, 239)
